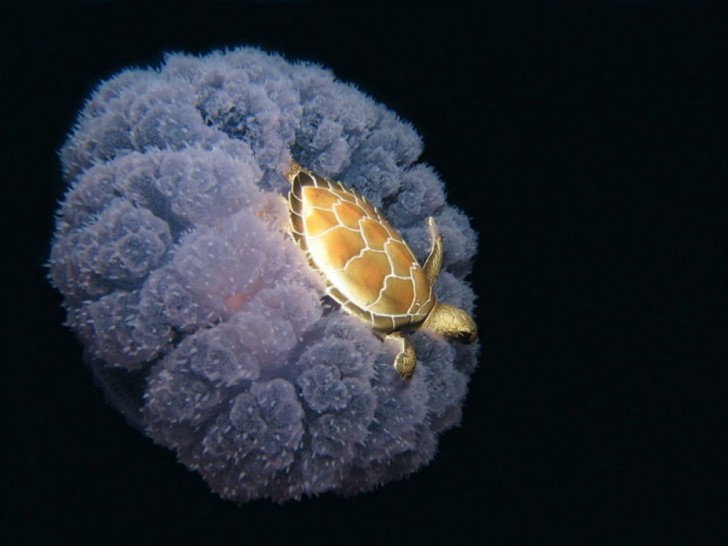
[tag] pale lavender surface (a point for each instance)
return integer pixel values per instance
(201, 318)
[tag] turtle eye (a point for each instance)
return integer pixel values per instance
(466, 336)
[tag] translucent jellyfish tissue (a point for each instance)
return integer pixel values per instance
(200, 317)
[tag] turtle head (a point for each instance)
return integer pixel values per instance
(451, 322)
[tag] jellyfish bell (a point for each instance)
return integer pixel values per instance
(202, 320)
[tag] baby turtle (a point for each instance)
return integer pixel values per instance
(368, 268)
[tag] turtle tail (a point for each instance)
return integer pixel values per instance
(293, 169)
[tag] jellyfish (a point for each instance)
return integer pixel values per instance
(201, 319)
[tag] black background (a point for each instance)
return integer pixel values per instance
(588, 144)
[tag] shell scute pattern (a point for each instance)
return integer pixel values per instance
(375, 235)
(370, 270)
(350, 215)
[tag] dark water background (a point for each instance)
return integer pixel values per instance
(588, 144)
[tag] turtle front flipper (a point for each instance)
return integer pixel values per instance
(405, 360)
(433, 263)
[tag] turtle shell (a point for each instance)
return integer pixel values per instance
(368, 267)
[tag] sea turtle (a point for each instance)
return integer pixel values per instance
(368, 268)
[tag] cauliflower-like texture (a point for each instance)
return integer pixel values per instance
(203, 321)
